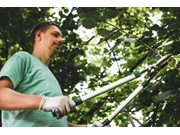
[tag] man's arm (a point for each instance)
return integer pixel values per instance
(95, 124)
(12, 100)
(75, 125)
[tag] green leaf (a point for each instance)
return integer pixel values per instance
(163, 96)
(155, 27)
(87, 23)
(110, 14)
(103, 32)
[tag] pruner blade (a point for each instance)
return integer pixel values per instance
(163, 59)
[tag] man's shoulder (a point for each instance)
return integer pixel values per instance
(22, 53)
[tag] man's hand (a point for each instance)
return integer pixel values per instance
(59, 106)
(97, 124)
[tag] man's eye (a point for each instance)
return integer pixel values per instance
(55, 35)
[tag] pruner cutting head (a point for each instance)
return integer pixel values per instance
(153, 68)
(162, 60)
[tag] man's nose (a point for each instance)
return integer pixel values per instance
(60, 40)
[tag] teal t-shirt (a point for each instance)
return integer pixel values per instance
(29, 75)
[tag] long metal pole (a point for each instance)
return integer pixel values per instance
(125, 103)
(97, 92)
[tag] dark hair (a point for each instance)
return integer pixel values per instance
(42, 26)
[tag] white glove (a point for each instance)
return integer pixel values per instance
(97, 124)
(59, 106)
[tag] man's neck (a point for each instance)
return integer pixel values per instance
(42, 55)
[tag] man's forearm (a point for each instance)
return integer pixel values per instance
(12, 100)
(74, 125)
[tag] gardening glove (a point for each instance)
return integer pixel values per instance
(97, 124)
(59, 106)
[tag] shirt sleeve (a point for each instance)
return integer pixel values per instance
(14, 70)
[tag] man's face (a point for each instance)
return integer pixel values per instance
(52, 39)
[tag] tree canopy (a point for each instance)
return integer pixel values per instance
(102, 45)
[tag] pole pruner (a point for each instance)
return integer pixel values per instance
(149, 72)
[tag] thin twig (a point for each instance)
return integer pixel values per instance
(131, 120)
(145, 45)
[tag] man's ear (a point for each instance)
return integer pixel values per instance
(38, 35)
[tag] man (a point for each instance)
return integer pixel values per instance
(29, 92)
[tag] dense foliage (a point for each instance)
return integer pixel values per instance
(101, 47)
